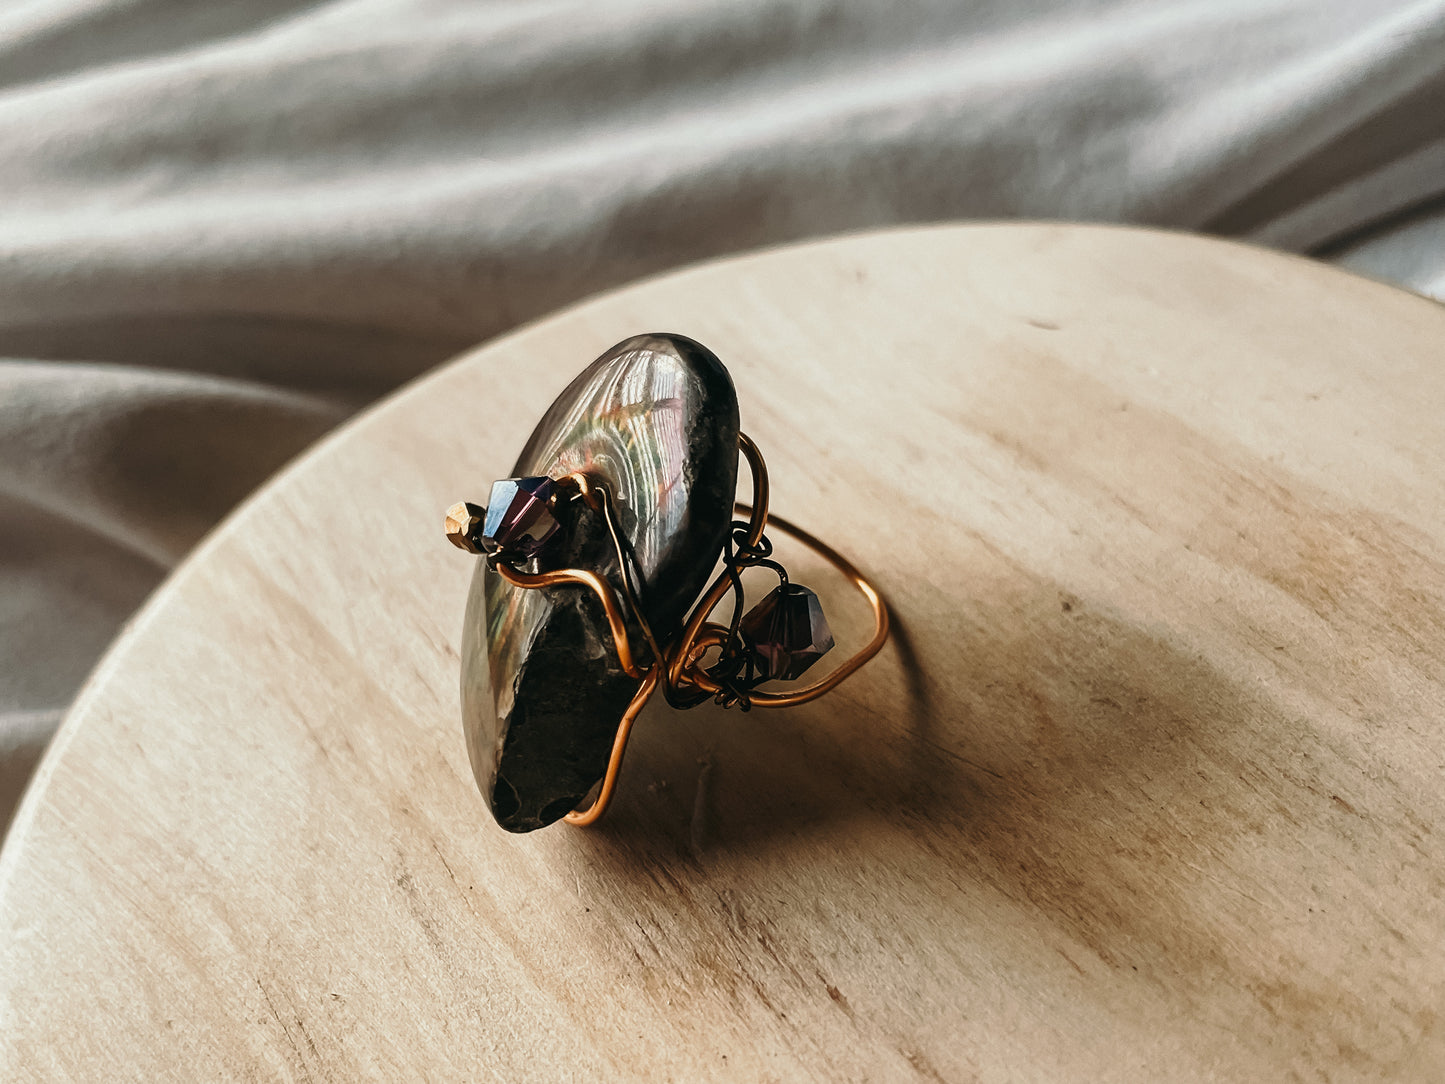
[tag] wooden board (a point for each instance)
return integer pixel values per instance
(1148, 786)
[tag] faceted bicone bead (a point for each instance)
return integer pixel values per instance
(787, 632)
(519, 519)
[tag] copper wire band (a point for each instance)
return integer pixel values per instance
(681, 666)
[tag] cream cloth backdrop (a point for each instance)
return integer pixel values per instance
(224, 227)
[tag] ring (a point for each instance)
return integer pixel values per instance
(597, 583)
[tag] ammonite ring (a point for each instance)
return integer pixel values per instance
(605, 555)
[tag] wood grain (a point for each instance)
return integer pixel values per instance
(1148, 785)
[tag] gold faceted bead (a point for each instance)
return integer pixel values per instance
(464, 526)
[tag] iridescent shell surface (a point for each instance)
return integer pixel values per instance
(656, 419)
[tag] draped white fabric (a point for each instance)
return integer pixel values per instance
(224, 226)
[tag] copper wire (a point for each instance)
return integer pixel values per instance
(583, 817)
(689, 648)
(679, 668)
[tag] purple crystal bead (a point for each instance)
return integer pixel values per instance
(787, 632)
(519, 519)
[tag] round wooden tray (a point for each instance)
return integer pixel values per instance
(1147, 786)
